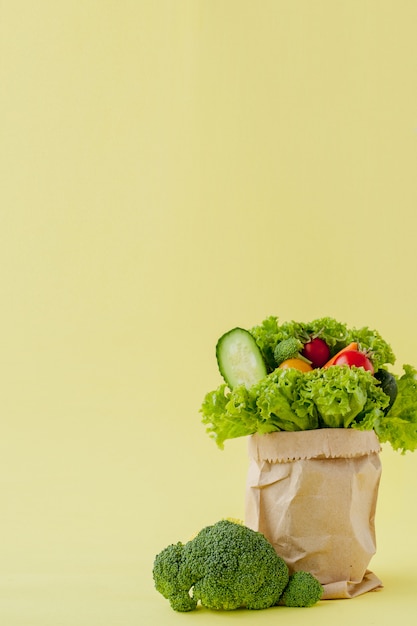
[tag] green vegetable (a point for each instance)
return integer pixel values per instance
(288, 349)
(281, 404)
(239, 359)
(388, 385)
(226, 566)
(267, 335)
(399, 425)
(172, 580)
(336, 334)
(291, 400)
(343, 395)
(303, 590)
(230, 414)
(270, 332)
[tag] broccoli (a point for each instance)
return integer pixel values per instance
(168, 580)
(226, 566)
(288, 349)
(302, 590)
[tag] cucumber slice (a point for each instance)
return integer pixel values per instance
(239, 359)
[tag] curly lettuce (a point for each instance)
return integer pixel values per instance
(336, 334)
(345, 394)
(291, 400)
(269, 333)
(281, 404)
(399, 425)
(230, 414)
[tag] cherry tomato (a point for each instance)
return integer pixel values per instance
(356, 358)
(297, 364)
(317, 351)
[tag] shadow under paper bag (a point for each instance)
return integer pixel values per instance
(313, 494)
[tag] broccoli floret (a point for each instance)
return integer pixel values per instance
(226, 566)
(302, 590)
(167, 580)
(288, 349)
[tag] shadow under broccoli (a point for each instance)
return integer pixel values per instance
(229, 566)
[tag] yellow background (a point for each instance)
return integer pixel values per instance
(171, 169)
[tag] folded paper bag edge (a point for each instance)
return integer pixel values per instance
(332, 443)
(351, 589)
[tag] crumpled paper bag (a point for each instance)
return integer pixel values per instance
(313, 494)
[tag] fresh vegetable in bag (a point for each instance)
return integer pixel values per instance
(353, 388)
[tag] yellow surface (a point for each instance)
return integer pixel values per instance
(169, 170)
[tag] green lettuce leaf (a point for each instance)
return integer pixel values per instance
(281, 403)
(399, 426)
(272, 404)
(345, 394)
(335, 334)
(267, 335)
(291, 400)
(229, 414)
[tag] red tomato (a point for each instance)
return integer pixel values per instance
(356, 358)
(317, 351)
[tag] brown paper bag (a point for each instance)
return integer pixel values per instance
(313, 494)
